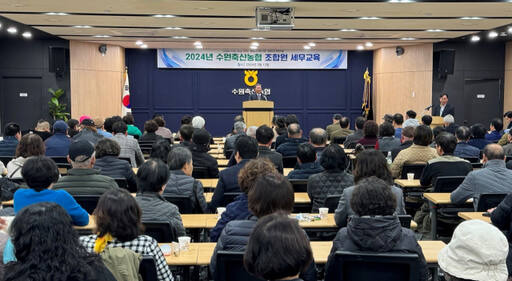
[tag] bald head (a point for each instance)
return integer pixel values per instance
(294, 131)
(494, 151)
(318, 137)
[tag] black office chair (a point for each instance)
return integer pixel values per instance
(183, 202)
(228, 153)
(230, 267)
(6, 159)
(19, 181)
(472, 159)
(88, 202)
(447, 184)
(508, 158)
(417, 169)
(488, 201)
(147, 268)
(299, 185)
(405, 220)
(289, 161)
(338, 140)
(161, 231)
(200, 173)
(230, 197)
(477, 165)
(123, 183)
(348, 266)
(331, 202)
(146, 146)
(60, 159)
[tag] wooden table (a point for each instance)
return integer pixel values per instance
(218, 156)
(222, 162)
(300, 197)
(474, 216)
(209, 183)
(435, 201)
(210, 220)
(286, 171)
(349, 151)
(407, 183)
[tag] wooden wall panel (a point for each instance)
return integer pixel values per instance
(402, 82)
(96, 80)
(507, 99)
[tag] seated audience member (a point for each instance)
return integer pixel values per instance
(264, 136)
(12, 135)
(398, 120)
(370, 132)
(387, 141)
(289, 146)
(58, 144)
(501, 217)
(369, 163)
(318, 138)
(426, 120)
(118, 225)
(198, 122)
(478, 136)
(446, 164)
(238, 118)
(436, 131)
(180, 180)
(352, 139)
(280, 126)
(494, 177)
(406, 141)
(185, 120)
(449, 124)
(73, 127)
(477, 251)
(150, 135)
(29, 145)
(508, 146)
(335, 126)
(107, 125)
(341, 135)
(306, 163)
(508, 116)
(269, 194)
(201, 144)
(333, 180)
(289, 119)
(506, 133)
(186, 132)
(151, 179)
(251, 131)
(40, 173)
(418, 152)
(229, 146)
(108, 163)
(129, 146)
(374, 228)
(43, 129)
(162, 130)
(494, 134)
(132, 130)
(88, 132)
(160, 150)
(463, 148)
(238, 209)
(410, 119)
(45, 247)
(246, 149)
(100, 127)
(278, 249)
(82, 179)
(387, 118)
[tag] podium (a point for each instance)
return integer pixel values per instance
(436, 121)
(258, 112)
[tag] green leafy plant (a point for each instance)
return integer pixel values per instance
(57, 109)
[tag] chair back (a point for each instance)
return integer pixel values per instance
(230, 197)
(6, 159)
(488, 201)
(348, 266)
(146, 146)
(147, 268)
(338, 140)
(447, 184)
(88, 202)
(331, 202)
(299, 185)
(477, 165)
(183, 202)
(161, 231)
(405, 220)
(230, 267)
(200, 173)
(289, 161)
(417, 169)
(472, 159)
(123, 183)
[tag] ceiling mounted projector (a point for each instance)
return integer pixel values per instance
(270, 18)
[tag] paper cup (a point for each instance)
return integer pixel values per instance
(323, 212)
(410, 176)
(220, 210)
(175, 248)
(184, 243)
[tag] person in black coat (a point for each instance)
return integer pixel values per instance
(374, 228)
(264, 136)
(200, 157)
(150, 127)
(501, 217)
(443, 108)
(107, 162)
(291, 143)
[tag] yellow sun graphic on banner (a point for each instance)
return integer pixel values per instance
(251, 75)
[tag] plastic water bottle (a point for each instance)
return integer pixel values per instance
(388, 158)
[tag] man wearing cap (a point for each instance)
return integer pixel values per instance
(58, 144)
(129, 146)
(200, 157)
(82, 179)
(88, 132)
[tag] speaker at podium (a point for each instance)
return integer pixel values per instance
(258, 112)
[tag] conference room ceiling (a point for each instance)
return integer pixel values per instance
(232, 24)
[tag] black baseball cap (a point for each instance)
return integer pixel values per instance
(80, 148)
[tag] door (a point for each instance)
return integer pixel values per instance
(483, 101)
(21, 101)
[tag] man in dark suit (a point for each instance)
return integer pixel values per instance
(258, 95)
(443, 108)
(264, 136)
(246, 149)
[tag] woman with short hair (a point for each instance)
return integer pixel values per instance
(29, 145)
(108, 163)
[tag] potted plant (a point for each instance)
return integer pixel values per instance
(57, 110)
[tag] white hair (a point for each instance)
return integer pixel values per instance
(198, 122)
(251, 131)
(449, 119)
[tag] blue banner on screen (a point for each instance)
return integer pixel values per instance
(282, 59)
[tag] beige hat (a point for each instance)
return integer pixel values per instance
(478, 251)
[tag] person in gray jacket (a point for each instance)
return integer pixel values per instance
(368, 163)
(493, 178)
(387, 141)
(129, 146)
(151, 179)
(181, 181)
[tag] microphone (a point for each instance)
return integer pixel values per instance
(428, 107)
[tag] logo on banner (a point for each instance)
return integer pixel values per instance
(251, 75)
(250, 79)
